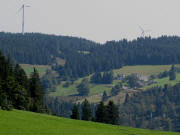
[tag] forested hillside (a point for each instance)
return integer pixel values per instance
(34, 48)
(83, 57)
(156, 108)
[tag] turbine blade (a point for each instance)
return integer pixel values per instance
(27, 6)
(141, 28)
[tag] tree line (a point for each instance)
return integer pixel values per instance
(104, 113)
(113, 55)
(17, 90)
(104, 78)
(35, 48)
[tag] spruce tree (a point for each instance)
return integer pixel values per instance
(16, 93)
(104, 97)
(113, 113)
(86, 111)
(101, 113)
(107, 77)
(4, 102)
(96, 78)
(126, 99)
(83, 87)
(75, 113)
(36, 92)
(172, 74)
(21, 76)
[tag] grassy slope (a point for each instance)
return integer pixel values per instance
(71, 90)
(98, 89)
(27, 123)
(163, 81)
(143, 70)
(40, 68)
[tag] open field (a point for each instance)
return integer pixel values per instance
(72, 90)
(27, 123)
(143, 70)
(40, 68)
(163, 81)
(98, 89)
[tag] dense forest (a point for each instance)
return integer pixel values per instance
(156, 108)
(35, 48)
(17, 90)
(83, 57)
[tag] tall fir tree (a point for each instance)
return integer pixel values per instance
(101, 113)
(86, 111)
(75, 113)
(172, 74)
(4, 102)
(96, 78)
(104, 97)
(36, 92)
(83, 87)
(16, 93)
(126, 98)
(113, 113)
(21, 76)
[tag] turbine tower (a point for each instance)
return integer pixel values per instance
(23, 10)
(143, 32)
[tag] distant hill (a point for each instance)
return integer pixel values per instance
(77, 57)
(28, 123)
(41, 49)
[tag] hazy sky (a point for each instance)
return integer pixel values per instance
(98, 20)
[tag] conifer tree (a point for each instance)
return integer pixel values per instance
(96, 78)
(16, 93)
(101, 113)
(83, 87)
(104, 97)
(36, 92)
(21, 76)
(75, 113)
(107, 77)
(126, 98)
(172, 74)
(4, 103)
(113, 113)
(86, 111)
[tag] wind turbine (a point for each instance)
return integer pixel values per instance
(143, 32)
(23, 10)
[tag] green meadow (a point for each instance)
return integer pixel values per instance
(40, 68)
(27, 123)
(143, 69)
(96, 89)
(163, 81)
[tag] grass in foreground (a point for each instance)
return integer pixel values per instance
(27, 123)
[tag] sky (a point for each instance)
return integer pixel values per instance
(97, 20)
